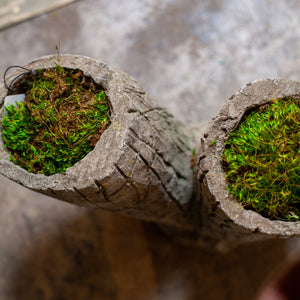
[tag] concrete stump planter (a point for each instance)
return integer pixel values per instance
(224, 221)
(141, 165)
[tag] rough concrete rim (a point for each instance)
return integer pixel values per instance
(253, 94)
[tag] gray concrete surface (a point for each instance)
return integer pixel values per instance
(190, 55)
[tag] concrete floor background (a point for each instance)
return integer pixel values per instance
(190, 55)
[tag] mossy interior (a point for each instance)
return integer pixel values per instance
(61, 119)
(262, 160)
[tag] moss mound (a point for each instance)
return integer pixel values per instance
(61, 119)
(262, 160)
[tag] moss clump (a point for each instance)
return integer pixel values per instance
(262, 160)
(59, 122)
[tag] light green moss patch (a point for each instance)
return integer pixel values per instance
(262, 160)
(61, 119)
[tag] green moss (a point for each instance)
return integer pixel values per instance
(214, 142)
(61, 119)
(194, 161)
(262, 160)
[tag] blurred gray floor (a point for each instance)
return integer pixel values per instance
(190, 56)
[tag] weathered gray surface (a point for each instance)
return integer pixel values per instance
(190, 56)
(140, 167)
(224, 220)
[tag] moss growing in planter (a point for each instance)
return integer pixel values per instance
(262, 160)
(61, 119)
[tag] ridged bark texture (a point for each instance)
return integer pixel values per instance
(141, 164)
(224, 222)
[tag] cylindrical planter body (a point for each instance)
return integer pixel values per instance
(224, 221)
(139, 167)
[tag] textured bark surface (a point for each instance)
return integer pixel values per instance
(224, 221)
(141, 165)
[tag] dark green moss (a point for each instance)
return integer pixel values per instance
(262, 160)
(61, 119)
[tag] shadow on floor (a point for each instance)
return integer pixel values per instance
(103, 256)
